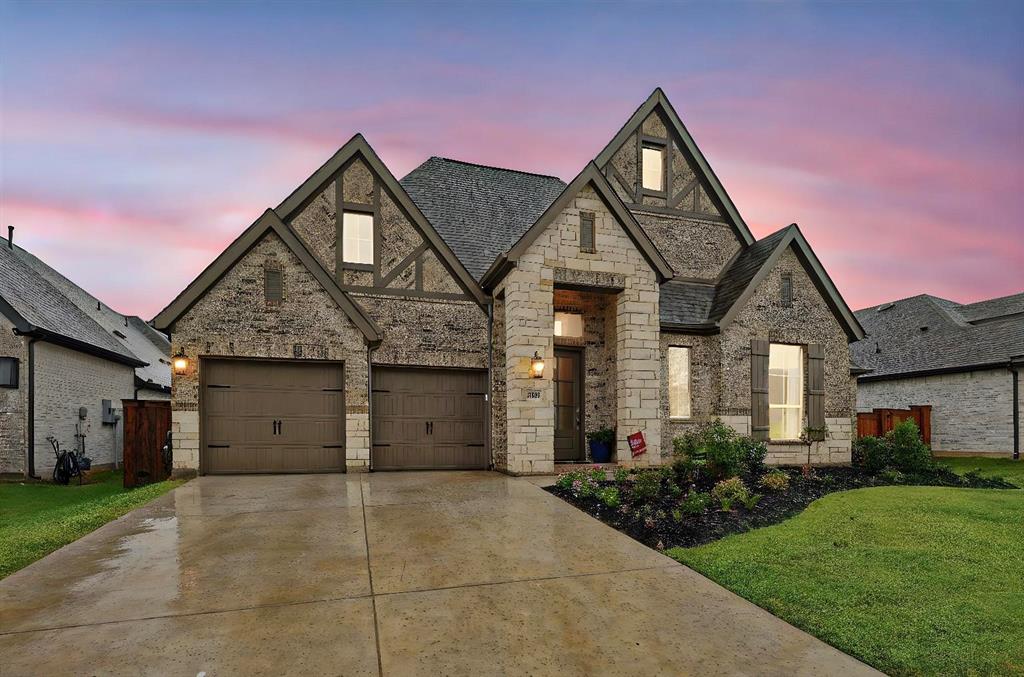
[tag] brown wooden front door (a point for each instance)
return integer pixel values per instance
(568, 377)
(272, 417)
(429, 419)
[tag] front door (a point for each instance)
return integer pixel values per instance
(568, 377)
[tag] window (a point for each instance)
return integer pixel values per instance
(587, 232)
(653, 161)
(273, 285)
(787, 290)
(569, 325)
(679, 382)
(357, 237)
(8, 372)
(785, 391)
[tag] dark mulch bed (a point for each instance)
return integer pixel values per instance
(652, 523)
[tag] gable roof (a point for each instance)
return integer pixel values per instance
(357, 146)
(480, 211)
(927, 334)
(682, 302)
(269, 221)
(38, 307)
(658, 100)
(590, 175)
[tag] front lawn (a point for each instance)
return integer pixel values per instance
(912, 580)
(988, 467)
(37, 518)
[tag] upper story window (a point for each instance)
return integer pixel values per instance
(8, 372)
(785, 391)
(679, 382)
(357, 238)
(568, 325)
(653, 161)
(587, 235)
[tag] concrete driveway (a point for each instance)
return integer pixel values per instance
(407, 573)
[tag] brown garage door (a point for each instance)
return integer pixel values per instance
(429, 419)
(272, 417)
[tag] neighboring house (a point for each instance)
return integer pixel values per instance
(63, 353)
(962, 359)
(473, 317)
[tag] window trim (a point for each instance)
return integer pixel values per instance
(689, 381)
(353, 265)
(17, 372)
(661, 147)
(801, 399)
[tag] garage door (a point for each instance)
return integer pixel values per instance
(273, 417)
(429, 419)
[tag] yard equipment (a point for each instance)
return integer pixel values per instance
(68, 464)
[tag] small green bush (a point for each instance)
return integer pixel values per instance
(621, 475)
(871, 453)
(646, 485)
(774, 480)
(605, 435)
(581, 483)
(609, 496)
(750, 501)
(727, 492)
(752, 455)
(718, 450)
(901, 449)
(695, 503)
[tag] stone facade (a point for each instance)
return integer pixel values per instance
(13, 404)
(972, 412)
(233, 320)
(529, 302)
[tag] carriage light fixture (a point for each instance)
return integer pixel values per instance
(537, 365)
(180, 363)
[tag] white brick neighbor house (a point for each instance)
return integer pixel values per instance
(476, 317)
(63, 356)
(962, 359)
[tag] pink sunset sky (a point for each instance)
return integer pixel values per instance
(136, 141)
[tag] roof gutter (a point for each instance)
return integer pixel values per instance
(703, 328)
(81, 346)
(938, 372)
(498, 270)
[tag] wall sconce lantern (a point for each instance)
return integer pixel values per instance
(537, 365)
(180, 362)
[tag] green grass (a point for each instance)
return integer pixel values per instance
(1012, 471)
(38, 518)
(912, 580)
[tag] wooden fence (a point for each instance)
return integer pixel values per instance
(146, 423)
(880, 421)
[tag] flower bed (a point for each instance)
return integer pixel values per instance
(718, 485)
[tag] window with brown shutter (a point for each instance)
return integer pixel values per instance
(759, 350)
(587, 232)
(273, 286)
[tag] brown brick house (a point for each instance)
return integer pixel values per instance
(472, 317)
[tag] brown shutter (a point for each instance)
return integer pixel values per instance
(759, 389)
(815, 386)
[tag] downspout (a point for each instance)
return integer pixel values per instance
(1015, 370)
(32, 408)
(369, 407)
(490, 382)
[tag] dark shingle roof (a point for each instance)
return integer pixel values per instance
(736, 279)
(685, 303)
(926, 333)
(480, 211)
(42, 304)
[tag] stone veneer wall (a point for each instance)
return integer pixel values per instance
(66, 380)
(233, 320)
(529, 301)
(13, 404)
(971, 411)
(598, 342)
(808, 320)
(499, 396)
(705, 382)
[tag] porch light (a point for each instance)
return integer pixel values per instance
(537, 365)
(180, 363)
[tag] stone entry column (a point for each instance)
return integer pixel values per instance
(638, 377)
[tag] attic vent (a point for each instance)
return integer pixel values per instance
(885, 306)
(273, 286)
(119, 334)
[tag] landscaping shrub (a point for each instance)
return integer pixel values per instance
(621, 475)
(730, 491)
(716, 450)
(901, 450)
(695, 503)
(581, 483)
(752, 455)
(774, 480)
(646, 485)
(609, 496)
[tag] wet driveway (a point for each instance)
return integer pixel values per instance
(468, 573)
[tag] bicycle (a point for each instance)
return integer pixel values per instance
(68, 464)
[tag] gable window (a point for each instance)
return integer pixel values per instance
(785, 391)
(787, 290)
(587, 232)
(8, 372)
(568, 325)
(273, 285)
(653, 162)
(357, 238)
(679, 382)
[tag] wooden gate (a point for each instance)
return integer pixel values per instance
(878, 422)
(146, 423)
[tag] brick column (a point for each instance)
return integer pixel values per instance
(638, 363)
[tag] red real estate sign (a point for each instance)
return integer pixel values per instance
(637, 443)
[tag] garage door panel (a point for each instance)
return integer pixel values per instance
(429, 418)
(242, 401)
